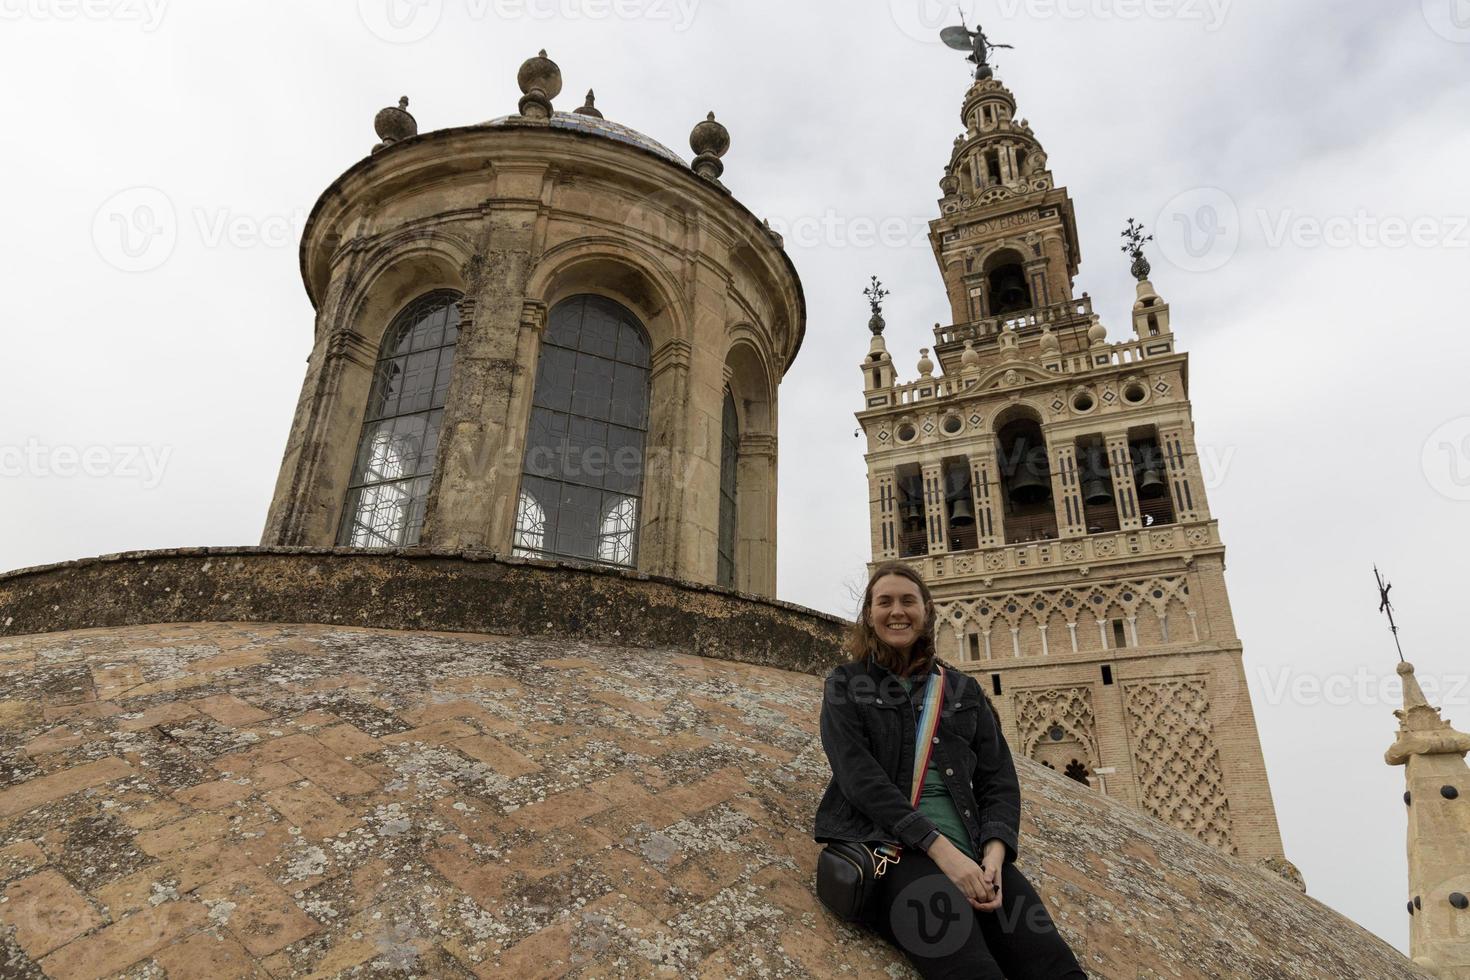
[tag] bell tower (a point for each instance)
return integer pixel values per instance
(1045, 481)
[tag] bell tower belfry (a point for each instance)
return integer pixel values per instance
(1045, 481)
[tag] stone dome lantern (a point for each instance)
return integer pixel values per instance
(450, 339)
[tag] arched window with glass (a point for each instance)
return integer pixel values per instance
(389, 489)
(582, 481)
(729, 464)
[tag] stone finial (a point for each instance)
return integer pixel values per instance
(774, 235)
(540, 81)
(1097, 334)
(589, 108)
(710, 141)
(926, 366)
(949, 184)
(970, 359)
(1050, 346)
(394, 124)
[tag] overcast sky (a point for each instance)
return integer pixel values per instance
(1304, 164)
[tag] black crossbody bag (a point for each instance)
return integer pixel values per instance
(848, 871)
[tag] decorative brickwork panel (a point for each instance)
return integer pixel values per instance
(1177, 761)
(1068, 708)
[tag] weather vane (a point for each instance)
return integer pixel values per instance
(1133, 241)
(1384, 606)
(875, 293)
(963, 39)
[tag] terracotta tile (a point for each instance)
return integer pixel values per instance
(189, 832)
(126, 941)
(152, 815)
(44, 789)
(560, 810)
(86, 709)
(271, 775)
(161, 714)
(436, 733)
(331, 772)
(263, 918)
(213, 795)
(58, 739)
(275, 750)
(226, 661)
(543, 956)
(20, 858)
(230, 710)
(210, 955)
(348, 741)
(308, 807)
(485, 883)
(46, 912)
(650, 711)
(496, 754)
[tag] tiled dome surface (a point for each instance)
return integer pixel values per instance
(601, 127)
(250, 800)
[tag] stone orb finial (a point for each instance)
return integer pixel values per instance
(926, 366)
(970, 359)
(1097, 334)
(393, 124)
(540, 80)
(949, 184)
(710, 141)
(1050, 346)
(589, 108)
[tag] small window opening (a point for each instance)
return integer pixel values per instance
(995, 683)
(1107, 673)
(974, 646)
(1120, 639)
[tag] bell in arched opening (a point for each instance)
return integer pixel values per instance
(1028, 478)
(1148, 471)
(1009, 292)
(1097, 487)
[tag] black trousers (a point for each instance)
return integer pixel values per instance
(925, 915)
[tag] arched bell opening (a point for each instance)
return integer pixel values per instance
(1025, 481)
(1099, 496)
(959, 505)
(1155, 504)
(913, 538)
(1006, 285)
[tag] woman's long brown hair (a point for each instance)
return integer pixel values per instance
(862, 639)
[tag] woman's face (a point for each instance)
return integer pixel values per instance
(897, 611)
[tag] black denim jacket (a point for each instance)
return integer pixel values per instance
(868, 728)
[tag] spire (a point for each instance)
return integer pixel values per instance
(1437, 799)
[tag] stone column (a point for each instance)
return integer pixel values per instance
(472, 501)
(1125, 493)
(989, 513)
(755, 515)
(936, 521)
(310, 489)
(883, 515)
(1066, 485)
(1186, 484)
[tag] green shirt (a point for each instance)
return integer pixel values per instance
(935, 801)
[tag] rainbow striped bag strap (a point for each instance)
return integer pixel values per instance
(924, 739)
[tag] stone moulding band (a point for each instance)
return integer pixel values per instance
(417, 589)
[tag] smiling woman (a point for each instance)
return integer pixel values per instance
(929, 820)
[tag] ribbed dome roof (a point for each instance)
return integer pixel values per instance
(595, 126)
